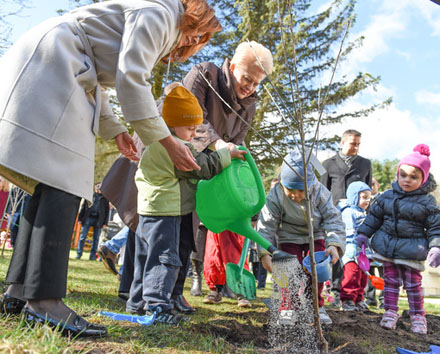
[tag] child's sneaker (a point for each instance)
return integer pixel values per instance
(389, 319)
(418, 324)
(324, 317)
(349, 306)
(243, 302)
(214, 297)
(170, 317)
(362, 306)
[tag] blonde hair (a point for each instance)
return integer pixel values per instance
(253, 53)
(198, 17)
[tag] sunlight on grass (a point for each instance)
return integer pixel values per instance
(91, 289)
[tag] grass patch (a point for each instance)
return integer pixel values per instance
(212, 329)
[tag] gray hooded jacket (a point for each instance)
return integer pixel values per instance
(284, 221)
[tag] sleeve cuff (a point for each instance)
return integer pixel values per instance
(109, 127)
(151, 129)
(225, 157)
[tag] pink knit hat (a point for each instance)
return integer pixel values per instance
(420, 159)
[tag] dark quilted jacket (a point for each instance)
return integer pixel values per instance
(405, 224)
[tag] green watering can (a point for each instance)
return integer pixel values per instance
(227, 202)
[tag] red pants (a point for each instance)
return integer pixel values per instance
(221, 249)
(353, 283)
(301, 251)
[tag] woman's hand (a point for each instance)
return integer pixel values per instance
(180, 154)
(266, 261)
(333, 252)
(126, 146)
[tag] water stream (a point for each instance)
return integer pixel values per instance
(291, 323)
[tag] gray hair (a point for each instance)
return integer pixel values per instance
(253, 53)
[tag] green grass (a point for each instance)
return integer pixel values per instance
(91, 289)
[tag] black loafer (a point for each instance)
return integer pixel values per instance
(11, 305)
(80, 327)
(181, 305)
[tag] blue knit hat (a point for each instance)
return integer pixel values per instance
(290, 179)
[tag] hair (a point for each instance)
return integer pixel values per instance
(253, 53)
(198, 16)
(351, 132)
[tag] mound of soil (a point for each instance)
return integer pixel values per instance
(351, 332)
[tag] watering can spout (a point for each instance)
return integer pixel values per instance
(243, 227)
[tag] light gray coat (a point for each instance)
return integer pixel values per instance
(51, 101)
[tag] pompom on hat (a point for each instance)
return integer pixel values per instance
(418, 158)
(180, 107)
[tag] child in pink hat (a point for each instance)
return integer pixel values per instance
(403, 229)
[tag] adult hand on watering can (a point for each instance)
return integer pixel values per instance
(333, 252)
(266, 261)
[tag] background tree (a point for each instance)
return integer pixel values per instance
(385, 172)
(7, 9)
(316, 36)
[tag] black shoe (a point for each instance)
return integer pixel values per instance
(80, 327)
(181, 305)
(123, 298)
(11, 305)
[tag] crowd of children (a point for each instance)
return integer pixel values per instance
(401, 230)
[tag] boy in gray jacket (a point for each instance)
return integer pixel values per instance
(283, 219)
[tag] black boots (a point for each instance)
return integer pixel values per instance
(197, 270)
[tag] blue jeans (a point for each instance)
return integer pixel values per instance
(91, 221)
(156, 264)
(117, 241)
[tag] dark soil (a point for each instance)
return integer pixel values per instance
(351, 332)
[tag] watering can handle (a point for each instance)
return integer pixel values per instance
(260, 187)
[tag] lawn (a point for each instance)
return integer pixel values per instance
(223, 328)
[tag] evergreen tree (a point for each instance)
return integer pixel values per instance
(315, 36)
(385, 172)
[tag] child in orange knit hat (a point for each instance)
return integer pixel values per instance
(166, 200)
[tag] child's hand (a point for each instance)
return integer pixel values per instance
(434, 257)
(237, 154)
(333, 252)
(361, 240)
(266, 261)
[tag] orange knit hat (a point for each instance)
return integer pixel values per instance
(181, 108)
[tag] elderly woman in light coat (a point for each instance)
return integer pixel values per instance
(52, 104)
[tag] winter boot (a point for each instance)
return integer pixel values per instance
(197, 269)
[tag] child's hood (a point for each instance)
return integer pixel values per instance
(353, 191)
